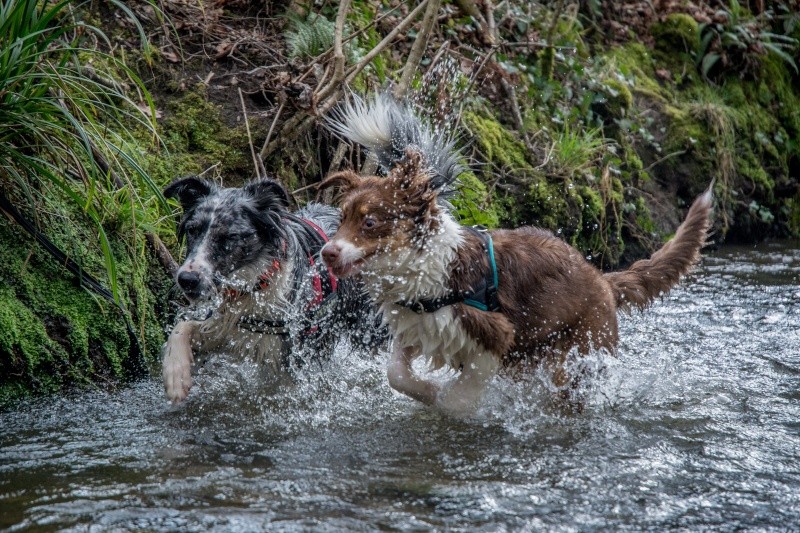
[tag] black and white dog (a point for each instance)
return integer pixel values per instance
(255, 281)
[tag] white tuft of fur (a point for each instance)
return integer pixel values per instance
(367, 124)
(386, 128)
(415, 273)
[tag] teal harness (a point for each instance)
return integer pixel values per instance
(483, 296)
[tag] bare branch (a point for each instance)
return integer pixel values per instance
(471, 8)
(338, 51)
(332, 92)
(161, 252)
(512, 96)
(264, 150)
(418, 48)
(261, 172)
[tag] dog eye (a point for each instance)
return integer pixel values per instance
(191, 229)
(369, 222)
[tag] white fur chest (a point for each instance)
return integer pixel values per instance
(438, 335)
(412, 275)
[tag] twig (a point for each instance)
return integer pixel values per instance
(548, 57)
(512, 96)
(330, 94)
(338, 52)
(259, 166)
(658, 161)
(537, 44)
(264, 150)
(474, 75)
(161, 252)
(472, 79)
(417, 49)
(356, 69)
(370, 164)
(470, 8)
(438, 55)
(346, 40)
(304, 188)
(552, 29)
(337, 157)
(491, 26)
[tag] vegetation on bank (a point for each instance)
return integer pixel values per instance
(597, 120)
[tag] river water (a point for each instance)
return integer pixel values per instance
(695, 425)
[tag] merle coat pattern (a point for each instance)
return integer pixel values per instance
(249, 275)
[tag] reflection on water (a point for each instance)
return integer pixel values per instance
(695, 425)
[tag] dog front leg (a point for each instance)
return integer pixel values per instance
(176, 369)
(462, 397)
(403, 379)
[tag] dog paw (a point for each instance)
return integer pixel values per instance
(177, 370)
(452, 403)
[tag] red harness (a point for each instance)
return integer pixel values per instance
(265, 277)
(319, 294)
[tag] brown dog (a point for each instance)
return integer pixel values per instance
(413, 256)
(470, 300)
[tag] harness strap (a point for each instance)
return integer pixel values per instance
(334, 283)
(321, 295)
(263, 279)
(483, 296)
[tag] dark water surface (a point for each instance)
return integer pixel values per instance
(695, 425)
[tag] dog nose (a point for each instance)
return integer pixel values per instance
(188, 280)
(330, 253)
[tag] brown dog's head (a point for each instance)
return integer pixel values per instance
(381, 215)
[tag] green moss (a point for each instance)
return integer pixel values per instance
(685, 131)
(473, 203)
(750, 168)
(644, 219)
(26, 349)
(497, 144)
(548, 207)
(196, 138)
(53, 333)
(678, 33)
(618, 98)
(733, 93)
(635, 62)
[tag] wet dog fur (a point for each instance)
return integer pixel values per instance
(248, 275)
(407, 246)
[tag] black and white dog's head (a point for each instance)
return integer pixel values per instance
(229, 232)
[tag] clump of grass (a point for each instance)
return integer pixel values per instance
(66, 117)
(577, 152)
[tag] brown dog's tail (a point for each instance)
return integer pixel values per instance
(644, 280)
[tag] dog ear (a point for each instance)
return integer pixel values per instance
(345, 180)
(268, 194)
(270, 203)
(189, 190)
